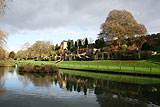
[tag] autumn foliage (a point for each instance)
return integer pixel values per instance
(121, 24)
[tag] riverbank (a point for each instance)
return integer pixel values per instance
(128, 67)
(117, 78)
(7, 63)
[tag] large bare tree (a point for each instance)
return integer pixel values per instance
(3, 37)
(120, 24)
(3, 34)
(38, 49)
(41, 47)
(3, 6)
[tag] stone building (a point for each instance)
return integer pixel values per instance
(63, 45)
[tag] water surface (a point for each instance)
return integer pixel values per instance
(76, 89)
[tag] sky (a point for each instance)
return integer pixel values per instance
(58, 20)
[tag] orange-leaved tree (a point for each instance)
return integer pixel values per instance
(120, 24)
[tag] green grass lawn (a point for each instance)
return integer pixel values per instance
(142, 66)
(117, 78)
(133, 66)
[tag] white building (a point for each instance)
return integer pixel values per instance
(63, 45)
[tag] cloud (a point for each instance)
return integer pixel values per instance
(72, 19)
(82, 14)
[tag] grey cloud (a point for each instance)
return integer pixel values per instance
(83, 14)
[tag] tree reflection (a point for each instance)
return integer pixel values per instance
(2, 81)
(112, 93)
(43, 80)
(107, 92)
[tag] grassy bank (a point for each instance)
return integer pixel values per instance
(4, 63)
(137, 67)
(116, 78)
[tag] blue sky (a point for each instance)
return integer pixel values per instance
(58, 20)
(16, 41)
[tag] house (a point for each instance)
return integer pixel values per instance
(63, 45)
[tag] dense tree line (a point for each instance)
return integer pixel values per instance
(38, 49)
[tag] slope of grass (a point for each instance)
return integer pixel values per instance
(117, 78)
(139, 66)
(125, 63)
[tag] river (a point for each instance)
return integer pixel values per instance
(76, 89)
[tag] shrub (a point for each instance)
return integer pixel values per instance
(38, 69)
(21, 68)
(73, 49)
(78, 58)
(83, 58)
(146, 47)
(145, 55)
(50, 69)
(106, 49)
(157, 49)
(49, 59)
(70, 58)
(124, 55)
(93, 57)
(54, 58)
(39, 59)
(124, 47)
(87, 58)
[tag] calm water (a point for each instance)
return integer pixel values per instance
(73, 90)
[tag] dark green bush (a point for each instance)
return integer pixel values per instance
(145, 55)
(124, 55)
(93, 57)
(157, 49)
(78, 58)
(83, 58)
(21, 68)
(146, 47)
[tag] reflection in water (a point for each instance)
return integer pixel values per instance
(107, 92)
(96, 92)
(2, 81)
(44, 80)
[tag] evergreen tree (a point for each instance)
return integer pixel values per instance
(76, 44)
(100, 43)
(86, 43)
(80, 44)
(72, 43)
(57, 47)
(69, 45)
